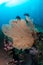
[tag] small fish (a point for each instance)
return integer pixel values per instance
(18, 17)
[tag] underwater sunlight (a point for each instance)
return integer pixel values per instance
(10, 3)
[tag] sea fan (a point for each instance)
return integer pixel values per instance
(20, 33)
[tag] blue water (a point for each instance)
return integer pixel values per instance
(32, 7)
